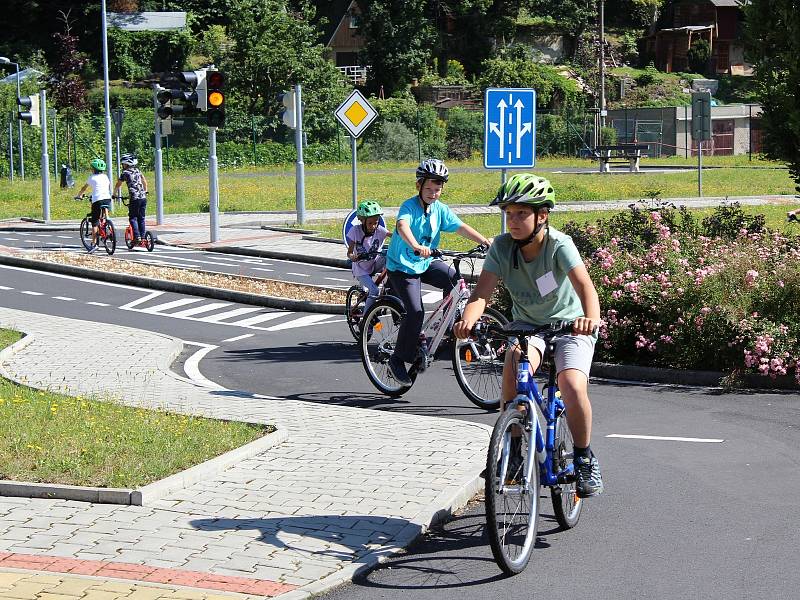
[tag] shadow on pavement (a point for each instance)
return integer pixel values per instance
(302, 352)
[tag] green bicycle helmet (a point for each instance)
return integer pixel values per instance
(525, 188)
(98, 164)
(369, 208)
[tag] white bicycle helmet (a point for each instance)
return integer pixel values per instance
(432, 168)
(128, 159)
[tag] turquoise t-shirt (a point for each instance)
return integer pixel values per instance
(426, 228)
(551, 299)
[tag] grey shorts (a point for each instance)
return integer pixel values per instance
(572, 351)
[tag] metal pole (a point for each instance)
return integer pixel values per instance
(213, 188)
(116, 140)
(19, 125)
(750, 132)
(502, 212)
(602, 66)
(300, 184)
(45, 158)
(355, 175)
(157, 166)
(700, 168)
(686, 130)
(253, 124)
(106, 100)
(11, 151)
(55, 144)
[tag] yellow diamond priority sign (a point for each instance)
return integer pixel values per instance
(355, 113)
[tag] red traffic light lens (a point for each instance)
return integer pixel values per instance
(215, 79)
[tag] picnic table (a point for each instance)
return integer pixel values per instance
(620, 153)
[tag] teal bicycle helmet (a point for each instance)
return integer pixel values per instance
(98, 164)
(525, 188)
(369, 208)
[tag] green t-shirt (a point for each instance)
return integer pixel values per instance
(540, 290)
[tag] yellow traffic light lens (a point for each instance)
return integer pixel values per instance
(216, 99)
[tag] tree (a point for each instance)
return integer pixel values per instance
(274, 48)
(572, 16)
(771, 28)
(67, 89)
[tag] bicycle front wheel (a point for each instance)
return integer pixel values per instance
(512, 502)
(478, 363)
(353, 308)
(86, 233)
(110, 241)
(129, 237)
(566, 504)
(376, 343)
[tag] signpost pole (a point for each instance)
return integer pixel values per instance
(157, 163)
(45, 158)
(700, 168)
(503, 179)
(213, 188)
(353, 152)
(300, 183)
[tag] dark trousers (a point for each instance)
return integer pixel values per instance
(409, 289)
(136, 213)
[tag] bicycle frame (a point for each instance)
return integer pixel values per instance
(551, 406)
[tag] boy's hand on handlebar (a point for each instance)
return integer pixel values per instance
(422, 251)
(584, 326)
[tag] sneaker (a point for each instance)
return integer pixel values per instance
(398, 369)
(588, 481)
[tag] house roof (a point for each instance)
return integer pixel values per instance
(734, 3)
(688, 28)
(23, 75)
(148, 21)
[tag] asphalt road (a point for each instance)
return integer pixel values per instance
(283, 270)
(707, 515)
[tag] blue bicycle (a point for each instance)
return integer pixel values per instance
(513, 477)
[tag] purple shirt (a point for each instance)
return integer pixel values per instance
(364, 244)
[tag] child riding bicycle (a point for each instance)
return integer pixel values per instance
(547, 281)
(137, 193)
(101, 196)
(420, 221)
(367, 239)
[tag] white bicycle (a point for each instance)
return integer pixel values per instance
(477, 361)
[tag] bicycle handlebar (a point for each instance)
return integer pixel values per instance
(369, 255)
(478, 251)
(546, 332)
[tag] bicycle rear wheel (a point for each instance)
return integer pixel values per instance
(353, 305)
(376, 343)
(478, 363)
(566, 504)
(149, 241)
(512, 504)
(110, 241)
(86, 233)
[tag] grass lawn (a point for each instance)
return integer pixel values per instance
(390, 184)
(52, 438)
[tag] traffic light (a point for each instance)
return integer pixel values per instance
(29, 110)
(197, 81)
(215, 98)
(167, 110)
(288, 114)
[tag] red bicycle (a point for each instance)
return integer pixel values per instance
(130, 242)
(106, 234)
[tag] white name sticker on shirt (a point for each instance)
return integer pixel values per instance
(546, 283)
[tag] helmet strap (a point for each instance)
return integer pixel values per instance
(518, 244)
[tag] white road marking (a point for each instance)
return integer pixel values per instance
(73, 278)
(160, 308)
(431, 297)
(141, 300)
(65, 298)
(300, 322)
(12, 239)
(32, 293)
(64, 237)
(5, 287)
(667, 438)
(229, 314)
(196, 310)
(262, 269)
(98, 304)
(239, 337)
(336, 279)
(297, 274)
(192, 366)
(259, 319)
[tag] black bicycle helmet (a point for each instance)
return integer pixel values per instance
(525, 188)
(432, 168)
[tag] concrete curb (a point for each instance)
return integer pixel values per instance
(177, 287)
(313, 260)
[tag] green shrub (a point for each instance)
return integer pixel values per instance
(698, 55)
(464, 133)
(391, 141)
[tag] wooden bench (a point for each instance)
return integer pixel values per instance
(619, 153)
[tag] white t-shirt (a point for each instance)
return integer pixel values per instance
(101, 187)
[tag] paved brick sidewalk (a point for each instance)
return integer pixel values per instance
(347, 484)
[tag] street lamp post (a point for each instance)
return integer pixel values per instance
(7, 61)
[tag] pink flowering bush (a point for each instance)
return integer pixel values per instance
(720, 294)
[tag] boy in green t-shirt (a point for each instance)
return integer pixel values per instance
(547, 282)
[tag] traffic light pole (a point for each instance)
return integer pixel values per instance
(45, 158)
(300, 183)
(11, 151)
(213, 187)
(157, 166)
(700, 168)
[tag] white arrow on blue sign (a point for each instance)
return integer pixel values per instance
(509, 139)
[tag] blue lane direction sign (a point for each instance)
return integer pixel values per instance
(509, 139)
